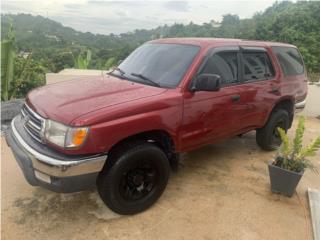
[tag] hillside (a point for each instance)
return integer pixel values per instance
(54, 42)
(54, 46)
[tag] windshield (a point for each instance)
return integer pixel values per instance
(162, 64)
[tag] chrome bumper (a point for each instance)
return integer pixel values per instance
(58, 167)
(299, 106)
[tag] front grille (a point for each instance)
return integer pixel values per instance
(33, 122)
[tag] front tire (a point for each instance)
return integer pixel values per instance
(135, 179)
(268, 137)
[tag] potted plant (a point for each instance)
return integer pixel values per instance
(288, 166)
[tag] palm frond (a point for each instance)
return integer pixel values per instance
(285, 146)
(297, 141)
(310, 150)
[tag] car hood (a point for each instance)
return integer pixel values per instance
(68, 100)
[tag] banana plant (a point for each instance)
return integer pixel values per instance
(7, 64)
(10, 77)
(81, 62)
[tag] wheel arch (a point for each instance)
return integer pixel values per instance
(285, 103)
(159, 137)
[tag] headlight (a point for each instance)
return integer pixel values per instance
(65, 136)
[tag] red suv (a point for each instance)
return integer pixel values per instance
(122, 131)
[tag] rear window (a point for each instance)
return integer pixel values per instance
(290, 60)
(257, 66)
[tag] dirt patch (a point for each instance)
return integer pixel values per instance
(51, 211)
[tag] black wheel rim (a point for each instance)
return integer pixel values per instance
(138, 182)
(276, 140)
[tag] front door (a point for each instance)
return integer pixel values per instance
(209, 116)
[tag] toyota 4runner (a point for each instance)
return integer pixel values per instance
(122, 131)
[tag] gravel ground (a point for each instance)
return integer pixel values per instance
(220, 192)
(9, 110)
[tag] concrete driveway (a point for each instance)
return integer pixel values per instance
(220, 192)
(312, 108)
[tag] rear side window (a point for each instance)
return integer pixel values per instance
(257, 66)
(290, 60)
(224, 64)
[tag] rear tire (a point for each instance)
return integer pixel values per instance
(268, 137)
(134, 179)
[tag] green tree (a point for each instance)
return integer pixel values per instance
(28, 74)
(229, 26)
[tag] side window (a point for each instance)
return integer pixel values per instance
(257, 66)
(290, 60)
(225, 64)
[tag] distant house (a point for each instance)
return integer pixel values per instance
(53, 37)
(23, 54)
(215, 24)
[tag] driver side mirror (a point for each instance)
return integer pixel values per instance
(206, 82)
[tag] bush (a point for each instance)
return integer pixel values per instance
(28, 74)
(314, 77)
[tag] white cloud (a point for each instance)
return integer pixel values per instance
(105, 17)
(179, 6)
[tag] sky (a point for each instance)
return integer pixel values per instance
(105, 17)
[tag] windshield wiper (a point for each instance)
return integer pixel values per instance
(122, 73)
(141, 76)
(119, 70)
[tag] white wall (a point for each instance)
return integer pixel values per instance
(69, 74)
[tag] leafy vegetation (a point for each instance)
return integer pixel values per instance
(82, 62)
(292, 155)
(53, 46)
(7, 64)
(28, 74)
(19, 74)
(314, 77)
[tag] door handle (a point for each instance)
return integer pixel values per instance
(274, 90)
(235, 98)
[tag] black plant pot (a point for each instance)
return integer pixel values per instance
(283, 181)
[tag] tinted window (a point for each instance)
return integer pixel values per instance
(164, 64)
(224, 64)
(290, 60)
(257, 66)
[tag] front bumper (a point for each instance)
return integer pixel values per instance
(299, 106)
(45, 167)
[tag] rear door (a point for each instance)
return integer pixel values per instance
(260, 86)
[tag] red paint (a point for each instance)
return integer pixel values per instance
(115, 109)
